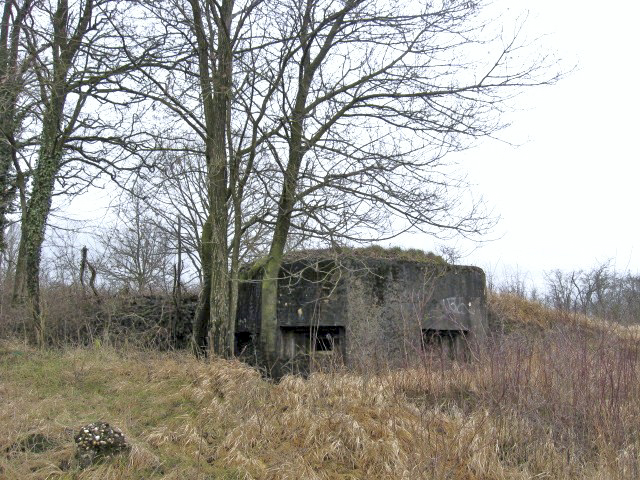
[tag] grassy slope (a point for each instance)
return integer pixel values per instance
(551, 399)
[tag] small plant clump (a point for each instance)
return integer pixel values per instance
(97, 441)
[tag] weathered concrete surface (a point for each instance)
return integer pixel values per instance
(358, 310)
(354, 310)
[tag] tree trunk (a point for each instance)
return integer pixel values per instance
(19, 291)
(34, 223)
(269, 292)
(219, 293)
(34, 229)
(234, 280)
(269, 295)
(50, 155)
(268, 312)
(215, 85)
(14, 15)
(19, 282)
(6, 190)
(269, 299)
(201, 320)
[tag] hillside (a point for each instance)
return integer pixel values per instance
(550, 396)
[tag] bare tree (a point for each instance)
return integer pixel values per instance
(78, 64)
(370, 98)
(65, 46)
(204, 57)
(213, 36)
(179, 191)
(138, 251)
(600, 292)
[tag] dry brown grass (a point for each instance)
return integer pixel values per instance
(558, 404)
(513, 312)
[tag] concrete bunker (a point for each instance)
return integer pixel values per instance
(363, 310)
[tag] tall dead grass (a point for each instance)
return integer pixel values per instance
(513, 312)
(560, 403)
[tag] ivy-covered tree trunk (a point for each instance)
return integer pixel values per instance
(39, 206)
(6, 161)
(65, 46)
(14, 14)
(33, 231)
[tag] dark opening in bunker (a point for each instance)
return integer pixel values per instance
(327, 338)
(446, 342)
(244, 342)
(306, 340)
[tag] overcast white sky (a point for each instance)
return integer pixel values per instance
(568, 196)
